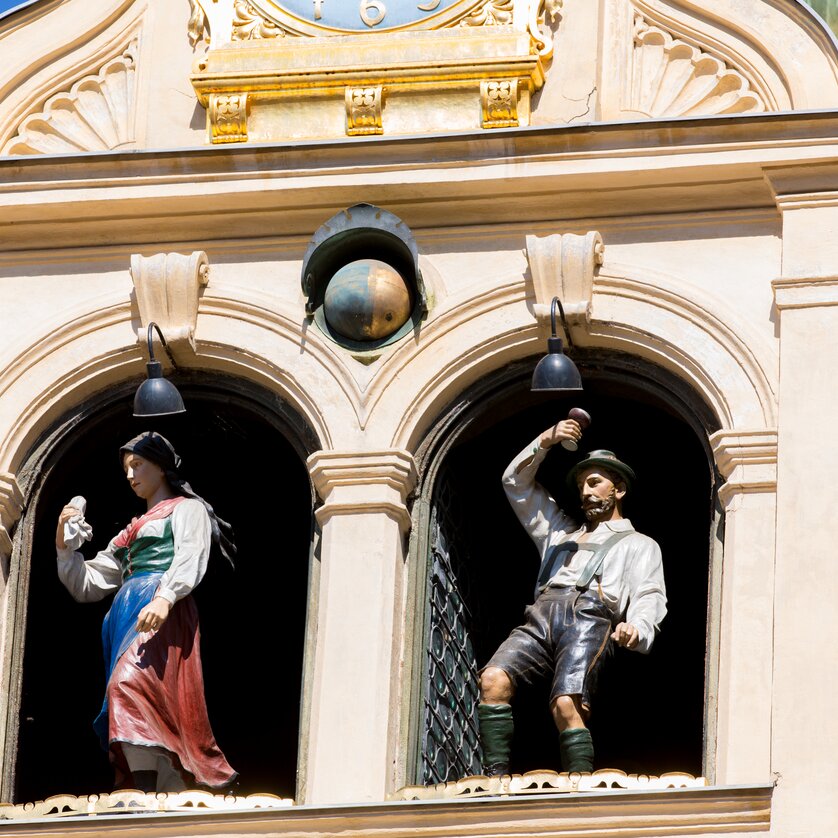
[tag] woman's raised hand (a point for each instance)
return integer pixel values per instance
(66, 513)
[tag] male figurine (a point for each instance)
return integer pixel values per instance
(598, 583)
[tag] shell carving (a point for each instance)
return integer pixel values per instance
(672, 78)
(96, 114)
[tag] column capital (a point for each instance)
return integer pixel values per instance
(11, 508)
(363, 482)
(805, 291)
(747, 460)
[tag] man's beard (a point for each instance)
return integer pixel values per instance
(599, 509)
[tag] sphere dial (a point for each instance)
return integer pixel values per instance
(367, 300)
(364, 15)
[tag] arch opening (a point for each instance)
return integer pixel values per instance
(650, 713)
(243, 449)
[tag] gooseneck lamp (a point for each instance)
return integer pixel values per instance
(157, 396)
(555, 371)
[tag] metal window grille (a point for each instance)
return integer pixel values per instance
(450, 745)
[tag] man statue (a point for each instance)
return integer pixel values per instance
(599, 584)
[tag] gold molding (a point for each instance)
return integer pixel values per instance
(549, 782)
(227, 115)
(130, 801)
(363, 110)
(499, 101)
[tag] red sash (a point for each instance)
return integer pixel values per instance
(161, 510)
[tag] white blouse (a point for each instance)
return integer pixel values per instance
(89, 581)
(632, 574)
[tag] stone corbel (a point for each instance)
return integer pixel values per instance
(11, 508)
(564, 266)
(363, 483)
(227, 117)
(747, 460)
(168, 286)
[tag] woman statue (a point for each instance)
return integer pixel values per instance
(153, 721)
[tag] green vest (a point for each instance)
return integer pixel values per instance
(148, 553)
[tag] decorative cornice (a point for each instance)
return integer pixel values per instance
(548, 782)
(747, 460)
(361, 483)
(167, 286)
(95, 114)
(122, 802)
(673, 78)
(564, 266)
(805, 291)
(11, 508)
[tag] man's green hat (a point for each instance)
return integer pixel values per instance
(606, 459)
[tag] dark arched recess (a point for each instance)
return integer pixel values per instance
(652, 712)
(244, 449)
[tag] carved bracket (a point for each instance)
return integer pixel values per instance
(363, 110)
(673, 78)
(499, 101)
(95, 114)
(168, 286)
(747, 460)
(363, 483)
(227, 115)
(11, 508)
(564, 266)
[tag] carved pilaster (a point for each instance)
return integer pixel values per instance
(362, 483)
(747, 460)
(363, 110)
(228, 117)
(563, 266)
(11, 507)
(499, 101)
(168, 286)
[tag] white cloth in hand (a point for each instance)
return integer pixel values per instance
(77, 530)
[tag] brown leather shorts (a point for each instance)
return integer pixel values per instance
(566, 636)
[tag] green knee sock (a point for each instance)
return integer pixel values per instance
(577, 749)
(496, 727)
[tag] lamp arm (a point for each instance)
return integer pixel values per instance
(152, 326)
(557, 302)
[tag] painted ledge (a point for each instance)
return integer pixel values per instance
(708, 811)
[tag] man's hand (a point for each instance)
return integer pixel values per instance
(625, 634)
(66, 513)
(154, 614)
(566, 429)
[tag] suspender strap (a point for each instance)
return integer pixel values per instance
(594, 565)
(555, 558)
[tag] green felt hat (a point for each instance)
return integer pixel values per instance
(607, 459)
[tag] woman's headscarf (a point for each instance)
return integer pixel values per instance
(157, 449)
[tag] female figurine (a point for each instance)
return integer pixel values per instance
(153, 721)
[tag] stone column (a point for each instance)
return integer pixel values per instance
(805, 686)
(352, 730)
(748, 462)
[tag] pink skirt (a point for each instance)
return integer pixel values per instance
(155, 697)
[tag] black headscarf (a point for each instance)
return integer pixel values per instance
(158, 450)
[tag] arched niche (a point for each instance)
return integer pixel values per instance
(244, 450)
(653, 713)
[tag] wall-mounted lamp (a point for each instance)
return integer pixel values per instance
(157, 396)
(555, 371)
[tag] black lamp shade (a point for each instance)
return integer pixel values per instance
(157, 396)
(555, 371)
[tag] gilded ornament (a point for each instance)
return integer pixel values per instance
(499, 99)
(250, 25)
(493, 13)
(198, 23)
(363, 110)
(228, 117)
